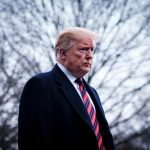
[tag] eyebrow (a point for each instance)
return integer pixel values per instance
(86, 47)
(85, 43)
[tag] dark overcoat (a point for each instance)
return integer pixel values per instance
(52, 115)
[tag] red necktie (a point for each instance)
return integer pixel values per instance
(91, 112)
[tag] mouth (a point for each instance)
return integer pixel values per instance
(87, 64)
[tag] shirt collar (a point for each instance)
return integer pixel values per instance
(67, 73)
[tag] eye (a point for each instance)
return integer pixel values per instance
(85, 49)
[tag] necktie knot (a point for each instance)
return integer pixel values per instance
(79, 81)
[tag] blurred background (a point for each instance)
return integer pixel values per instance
(121, 66)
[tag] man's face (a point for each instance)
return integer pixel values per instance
(78, 59)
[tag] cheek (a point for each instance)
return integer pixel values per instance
(79, 57)
(76, 58)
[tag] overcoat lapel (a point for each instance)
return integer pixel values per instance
(71, 95)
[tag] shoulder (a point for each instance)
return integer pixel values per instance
(41, 76)
(40, 80)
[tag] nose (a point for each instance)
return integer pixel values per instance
(89, 54)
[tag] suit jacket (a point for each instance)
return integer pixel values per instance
(52, 115)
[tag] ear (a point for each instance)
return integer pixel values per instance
(63, 54)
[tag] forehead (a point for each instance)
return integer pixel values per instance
(86, 42)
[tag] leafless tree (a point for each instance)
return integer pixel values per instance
(120, 71)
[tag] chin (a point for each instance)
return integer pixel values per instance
(86, 71)
(82, 72)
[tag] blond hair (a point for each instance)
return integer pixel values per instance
(67, 38)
